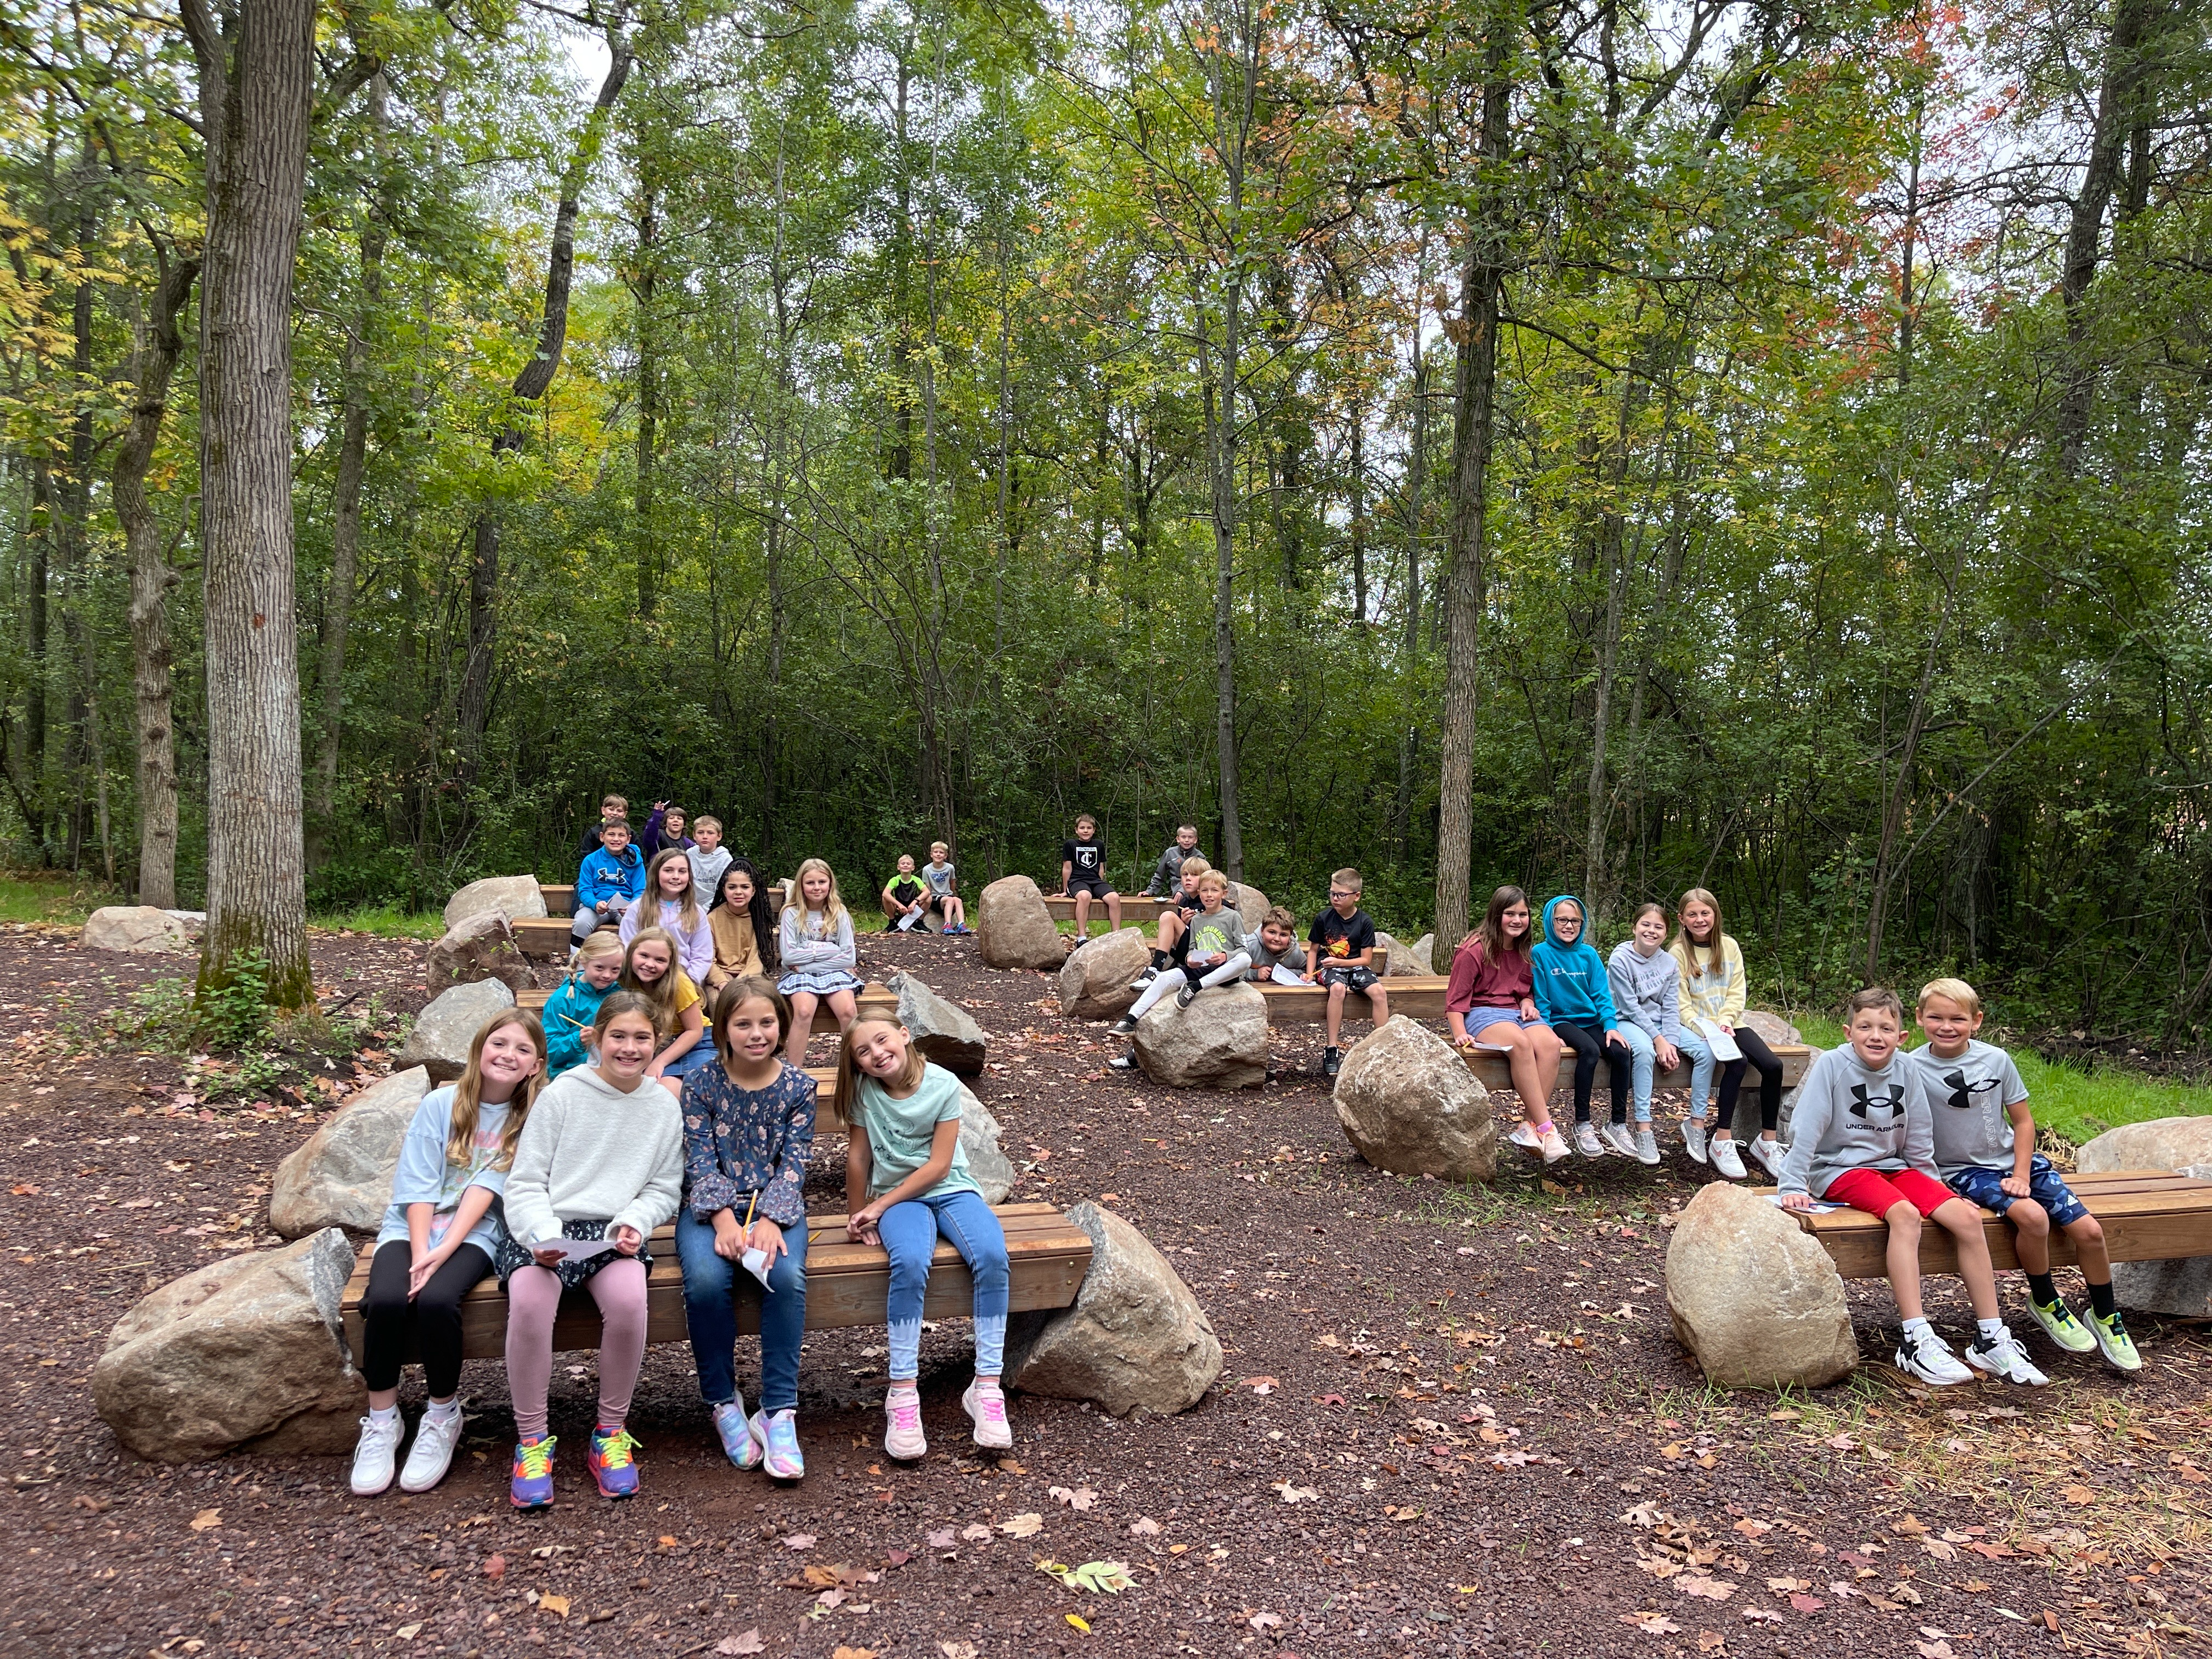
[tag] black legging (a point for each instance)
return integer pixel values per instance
(435, 1315)
(1588, 1042)
(1770, 1081)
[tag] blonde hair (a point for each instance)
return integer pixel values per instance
(937, 847)
(1716, 945)
(601, 942)
(687, 908)
(658, 997)
(1951, 990)
(848, 1074)
(1349, 879)
(1194, 867)
(1211, 878)
(468, 1093)
(706, 818)
(794, 896)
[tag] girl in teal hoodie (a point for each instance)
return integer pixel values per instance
(1576, 1001)
(569, 1012)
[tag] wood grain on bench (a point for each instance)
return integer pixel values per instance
(1796, 1060)
(2148, 1215)
(846, 1285)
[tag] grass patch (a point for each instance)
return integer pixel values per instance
(384, 921)
(51, 897)
(2070, 1100)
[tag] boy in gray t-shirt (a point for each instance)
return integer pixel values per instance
(1984, 1138)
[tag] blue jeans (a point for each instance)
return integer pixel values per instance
(1640, 1056)
(909, 1231)
(1644, 1058)
(1700, 1054)
(710, 1310)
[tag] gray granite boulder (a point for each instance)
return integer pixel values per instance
(1755, 1300)
(515, 897)
(941, 1029)
(1409, 1104)
(480, 947)
(1094, 983)
(135, 927)
(1014, 929)
(1220, 1042)
(443, 1031)
(342, 1176)
(979, 1138)
(2179, 1289)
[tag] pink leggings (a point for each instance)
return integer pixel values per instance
(533, 1295)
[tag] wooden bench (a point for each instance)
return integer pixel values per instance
(846, 1285)
(2148, 1215)
(549, 936)
(1418, 996)
(1135, 907)
(1796, 1060)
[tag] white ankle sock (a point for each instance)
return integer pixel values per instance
(386, 1417)
(1991, 1329)
(1918, 1326)
(443, 1411)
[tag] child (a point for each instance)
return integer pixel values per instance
(1861, 1136)
(902, 898)
(1216, 955)
(1646, 984)
(569, 1012)
(600, 1157)
(671, 903)
(1985, 1147)
(943, 897)
(710, 860)
(1083, 876)
(816, 941)
(1276, 946)
(611, 806)
(437, 1242)
(1343, 939)
(748, 1127)
(1713, 991)
(907, 1182)
(1172, 936)
(608, 881)
(650, 973)
(1167, 874)
(664, 829)
(1489, 1000)
(743, 926)
(1572, 995)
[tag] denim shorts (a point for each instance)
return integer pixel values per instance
(1978, 1184)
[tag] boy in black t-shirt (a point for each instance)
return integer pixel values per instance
(1083, 876)
(1343, 939)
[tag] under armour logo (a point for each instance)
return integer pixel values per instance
(1863, 1104)
(1962, 1092)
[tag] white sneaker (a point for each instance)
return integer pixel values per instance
(1524, 1136)
(1693, 1140)
(1927, 1355)
(902, 1436)
(1621, 1139)
(1725, 1159)
(373, 1458)
(1554, 1148)
(2003, 1356)
(988, 1409)
(1647, 1145)
(1768, 1150)
(432, 1454)
(1586, 1141)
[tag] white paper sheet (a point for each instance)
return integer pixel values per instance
(576, 1250)
(1279, 974)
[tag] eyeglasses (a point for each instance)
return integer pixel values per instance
(1338, 893)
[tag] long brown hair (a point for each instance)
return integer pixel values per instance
(1492, 930)
(468, 1093)
(689, 907)
(659, 997)
(848, 1074)
(1687, 948)
(734, 995)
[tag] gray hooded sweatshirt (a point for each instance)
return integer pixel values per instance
(1646, 990)
(1850, 1117)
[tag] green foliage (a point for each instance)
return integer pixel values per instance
(234, 1013)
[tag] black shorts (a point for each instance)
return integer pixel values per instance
(1098, 887)
(1353, 979)
(936, 904)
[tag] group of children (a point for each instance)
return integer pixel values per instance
(561, 1184)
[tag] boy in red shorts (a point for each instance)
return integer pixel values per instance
(1861, 1135)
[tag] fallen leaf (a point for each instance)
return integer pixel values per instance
(1338, 1400)
(940, 1538)
(745, 1641)
(1698, 1583)
(1081, 1498)
(820, 1577)
(957, 1650)
(1410, 1512)
(205, 1519)
(1292, 1494)
(1651, 1623)
(409, 1632)
(975, 1533)
(1022, 1526)
(1806, 1603)
(1261, 1384)
(1761, 1616)
(1710, 1641)
(1935, 1650)
(495, 1566)
(2079, 1495)
(799, 1540)
(1097, 1577)
(853, 1653)
(1144, 1527)
(1007, 1466)
(667, 1542)
(1265, 1620)
(2051, 1621)
(1080, 1622)
(555, 1604)
(1751, 1529)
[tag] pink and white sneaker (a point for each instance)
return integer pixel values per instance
(986, 1404)
(902, 1436)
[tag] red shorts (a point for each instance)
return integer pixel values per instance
(1878, 1192)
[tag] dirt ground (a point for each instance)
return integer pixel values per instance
(1451, 1421)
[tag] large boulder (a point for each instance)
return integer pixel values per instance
(342, 1176)
(443, 1031)
(1772, 1027)
(1402, 959)
(515, 897)
(1747, 1116)
(1094, 983)
(480, 947)
(1755, 1300)
(942, 1030)
(247, 1351)
(135, 927)
(1253, 905)
(1013, 929)
(2179, 1289)
(979, 1138)
(1136, 1337)
(1220, 1042)
(1409, 1104)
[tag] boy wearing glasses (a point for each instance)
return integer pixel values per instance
(1343, 938)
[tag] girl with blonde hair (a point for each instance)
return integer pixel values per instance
(815, 942)
(1713, 993)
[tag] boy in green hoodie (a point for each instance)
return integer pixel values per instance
(1576, 1000)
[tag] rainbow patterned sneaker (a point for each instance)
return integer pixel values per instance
(533, 1485)
(778, 1433)
(611, 1462)
(739, 1443)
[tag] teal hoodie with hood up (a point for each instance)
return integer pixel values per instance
(1570, 979)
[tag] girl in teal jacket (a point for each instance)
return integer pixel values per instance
(1576, 1001)
(569, 1012)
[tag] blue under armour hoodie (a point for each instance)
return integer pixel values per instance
(1570, 979)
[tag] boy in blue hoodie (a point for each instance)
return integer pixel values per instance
(1574, 999)
(608, 881)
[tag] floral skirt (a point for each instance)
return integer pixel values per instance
(512, 1254)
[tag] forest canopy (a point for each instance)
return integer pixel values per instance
(1590, 446)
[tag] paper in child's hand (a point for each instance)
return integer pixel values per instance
(575, 1249)
(1279, 974)
(755, 1262)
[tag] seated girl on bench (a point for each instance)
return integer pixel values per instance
(1489, 1000)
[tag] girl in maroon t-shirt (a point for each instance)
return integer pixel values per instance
(1490, 1001)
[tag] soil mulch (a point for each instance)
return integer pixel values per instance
(1451, 1420)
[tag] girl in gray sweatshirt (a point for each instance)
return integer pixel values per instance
(1646, 983)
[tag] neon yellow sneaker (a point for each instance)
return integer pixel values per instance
(2112, 1337)
(2060, 1326)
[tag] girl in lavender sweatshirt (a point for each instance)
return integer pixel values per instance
(1647, 985)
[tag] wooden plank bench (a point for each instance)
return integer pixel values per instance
(1796, 1060)
(1135, 907)
(846, 1285)
(2148, 1215)
(1418, 996)
(549, 936)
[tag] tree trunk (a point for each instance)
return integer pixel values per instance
(257, 164)
(1481, 276)
(648, 400)
(1235, 79)
(162, 343)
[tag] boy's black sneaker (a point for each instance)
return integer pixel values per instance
(1187, 995)
(1332, 1062)
(1124, 1025)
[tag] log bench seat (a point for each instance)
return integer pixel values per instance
(2148, 1215)
(846, 1285)
(1796, 1060)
